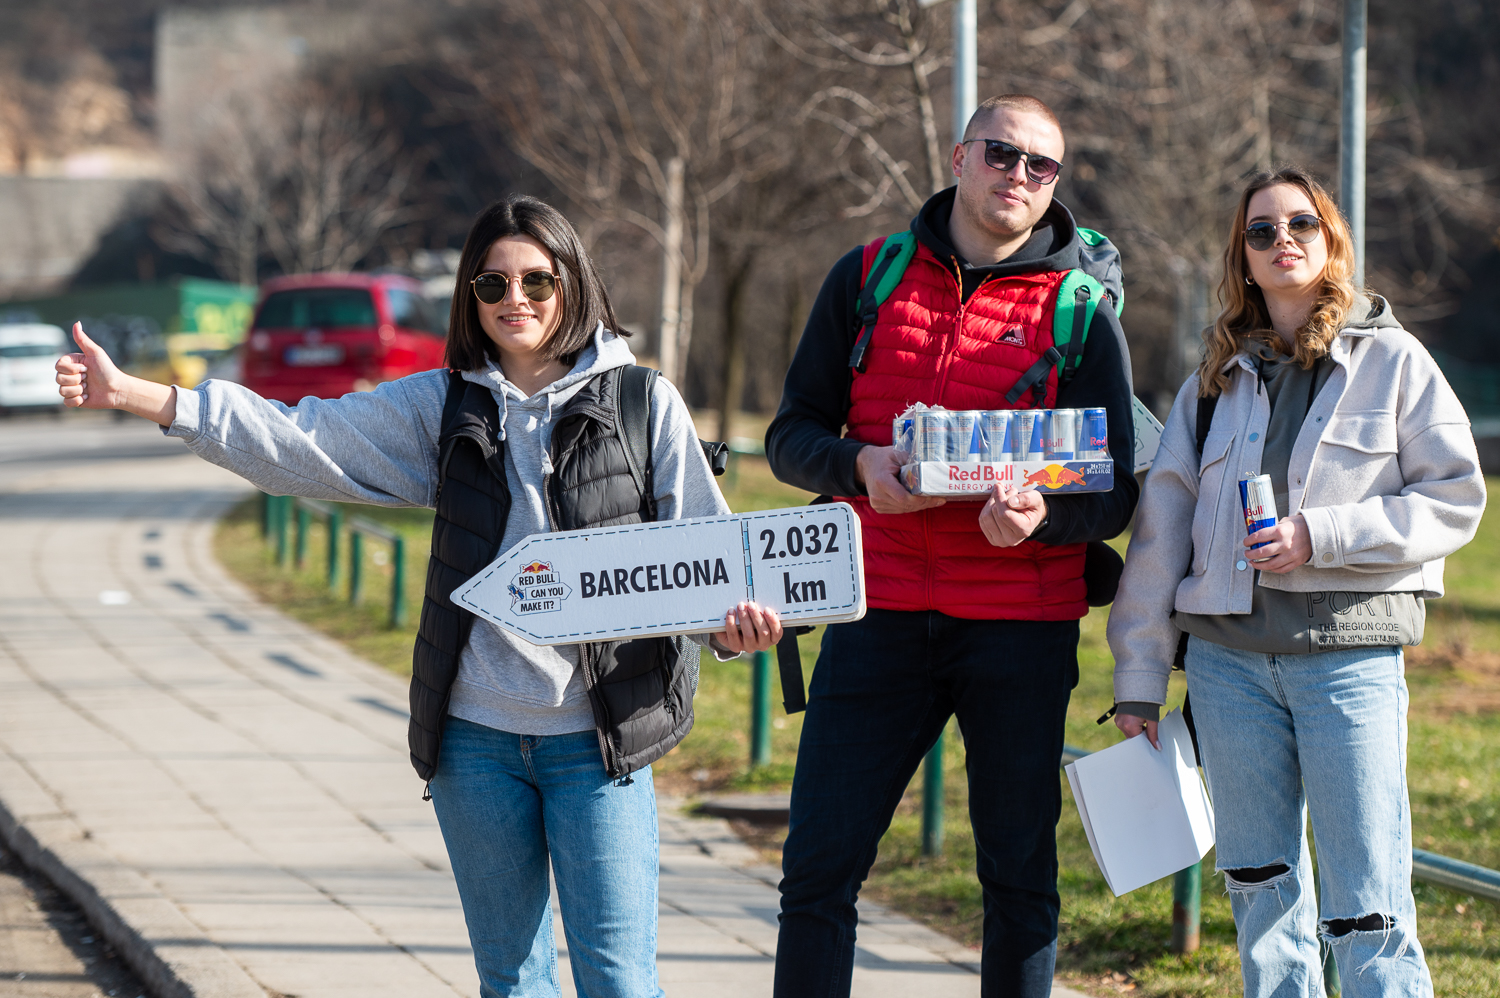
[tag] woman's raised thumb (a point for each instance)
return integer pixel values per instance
(82, 338)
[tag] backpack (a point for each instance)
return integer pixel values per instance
(1077, 299)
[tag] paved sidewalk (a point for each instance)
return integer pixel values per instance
(227, 793)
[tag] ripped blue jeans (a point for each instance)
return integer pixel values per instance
(1284, 736)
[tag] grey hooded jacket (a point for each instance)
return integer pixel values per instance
(380, 447)
(1384, 472)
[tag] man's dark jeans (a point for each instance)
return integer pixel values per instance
(883, 689)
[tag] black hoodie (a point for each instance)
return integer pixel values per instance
(804, 443)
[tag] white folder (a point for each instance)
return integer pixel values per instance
(1146, 812)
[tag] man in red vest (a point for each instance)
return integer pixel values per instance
(974, 607)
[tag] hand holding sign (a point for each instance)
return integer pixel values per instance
(793, 565)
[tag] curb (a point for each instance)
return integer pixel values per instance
(168, 952)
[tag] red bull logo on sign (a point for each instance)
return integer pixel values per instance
(537, 589)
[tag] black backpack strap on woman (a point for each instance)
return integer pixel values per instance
(1206, 406)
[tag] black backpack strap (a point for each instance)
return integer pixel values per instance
(867, 305)
(634, 400)
(1073, 349)
(454, 399)
(1206, 406)
(1036, 374)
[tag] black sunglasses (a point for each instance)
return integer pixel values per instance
(1303, 228)
(1003, 156)
(491, 288)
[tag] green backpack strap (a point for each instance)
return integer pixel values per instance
(889, 268)
(1078, 297)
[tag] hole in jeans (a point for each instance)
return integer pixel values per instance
(1336, 927)
(1258, 875)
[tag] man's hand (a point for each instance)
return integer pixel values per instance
(876, 469)
(1288, 546)
(1009, 516)
(1132, 726)
(92, 381)
(748, 627)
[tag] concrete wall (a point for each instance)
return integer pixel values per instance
(212, 63)
(53, 224)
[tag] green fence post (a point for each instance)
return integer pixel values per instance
(356, 564)
(398, 581)
(1187, 893)
(760, 709)
(932, 800)
(283, 550)
(335, 527)
(304, 527)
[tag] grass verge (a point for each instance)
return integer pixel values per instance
(1107, 945)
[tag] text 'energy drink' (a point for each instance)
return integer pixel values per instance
(1258, 499)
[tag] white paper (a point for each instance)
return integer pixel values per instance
(1147, 434)
(1146, 812)
(674, 577)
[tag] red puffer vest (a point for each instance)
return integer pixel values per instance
(930, 346)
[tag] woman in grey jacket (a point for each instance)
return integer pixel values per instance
(537, 757)
(1294, 633)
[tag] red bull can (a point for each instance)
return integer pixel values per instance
(1258, 498)
(1093, 437)
(968, 436)
(997, 438)
(1026, 428)
(1060, 440)
(933, 436)
(902, 429)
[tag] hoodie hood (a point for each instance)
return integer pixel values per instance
(1054, 244)
(605, 352)
(1370, 313)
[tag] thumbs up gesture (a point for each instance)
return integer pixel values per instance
(90, 380)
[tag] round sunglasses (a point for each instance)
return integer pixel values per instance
(1303, 228)
(1003, 156)
(491, 288)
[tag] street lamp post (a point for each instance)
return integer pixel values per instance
(1352, 129)
(965, 100)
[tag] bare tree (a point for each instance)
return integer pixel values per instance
(638, 111)
(340, 179)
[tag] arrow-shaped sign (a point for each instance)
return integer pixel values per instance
(674, 577)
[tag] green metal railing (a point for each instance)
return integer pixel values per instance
(286, 524)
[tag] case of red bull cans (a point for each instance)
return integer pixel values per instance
(965, 453)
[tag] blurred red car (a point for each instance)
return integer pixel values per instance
(330, 334)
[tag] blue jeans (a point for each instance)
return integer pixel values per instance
(883, 689)
(1324, 733)
(506, 803)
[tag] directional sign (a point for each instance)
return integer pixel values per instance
(674, 577)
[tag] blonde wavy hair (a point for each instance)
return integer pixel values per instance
(1245, 317)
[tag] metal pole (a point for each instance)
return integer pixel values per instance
(965, 65)
(398, 581)
(335, 527)
(1352, 130)
(932, 800)
(760, 709)
(282, 508)
(356, 564)
(1187, 892)
(304, 527)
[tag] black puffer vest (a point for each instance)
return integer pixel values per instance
(641, 691)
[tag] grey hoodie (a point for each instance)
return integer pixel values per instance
(380, 447)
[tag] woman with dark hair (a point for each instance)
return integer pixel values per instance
(537, 758)
(1293, 634)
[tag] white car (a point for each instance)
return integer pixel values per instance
(28, 355)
